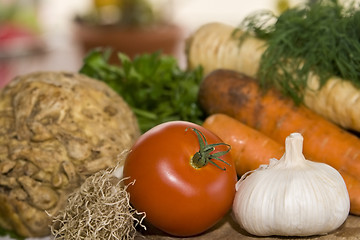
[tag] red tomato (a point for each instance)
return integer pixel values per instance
(178, 198)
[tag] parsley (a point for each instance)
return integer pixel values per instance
(153, 85)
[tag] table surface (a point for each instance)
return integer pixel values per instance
(228, 229)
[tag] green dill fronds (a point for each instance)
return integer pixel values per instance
(320, 37)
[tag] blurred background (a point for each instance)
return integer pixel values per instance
(54, 35)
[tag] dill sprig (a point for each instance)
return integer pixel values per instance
(320, 37)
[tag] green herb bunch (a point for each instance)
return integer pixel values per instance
(320, 37)
(153, 85)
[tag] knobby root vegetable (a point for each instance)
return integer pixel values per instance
(213, 47)
(249, 147)
(56, 129)
(239, 96)
(99, 209)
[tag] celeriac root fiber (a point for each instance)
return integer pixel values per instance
(99, 209)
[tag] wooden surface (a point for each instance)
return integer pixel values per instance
(229, 229)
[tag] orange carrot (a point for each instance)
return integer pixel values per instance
(249, 147)
(353, 187)
(239, 96)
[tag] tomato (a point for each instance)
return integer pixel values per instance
(177, 197)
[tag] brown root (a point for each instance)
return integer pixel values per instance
(99, 209)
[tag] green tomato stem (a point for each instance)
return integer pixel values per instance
(205, 155)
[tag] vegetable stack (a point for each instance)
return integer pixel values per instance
(311, 53)
(239, 96)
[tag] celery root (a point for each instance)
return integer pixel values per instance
(213, 47)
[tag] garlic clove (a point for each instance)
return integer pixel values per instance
(291, 196)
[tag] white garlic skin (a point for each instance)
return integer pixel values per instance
(291, 197)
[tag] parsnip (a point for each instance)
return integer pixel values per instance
(213, 47)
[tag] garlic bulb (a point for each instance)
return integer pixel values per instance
(291, 196)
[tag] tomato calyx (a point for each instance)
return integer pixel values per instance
(205, 155)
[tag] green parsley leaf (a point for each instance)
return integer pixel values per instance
(153, 85)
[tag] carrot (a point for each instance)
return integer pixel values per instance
(215, 46)
(239, 96)
(353, 187)
(249, 147)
